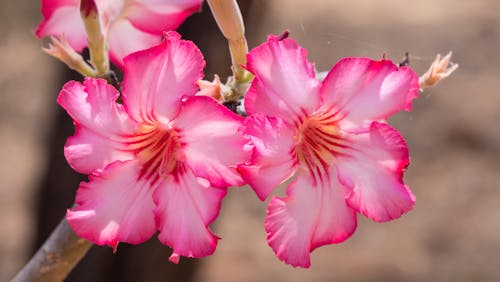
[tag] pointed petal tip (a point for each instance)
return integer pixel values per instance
(264, 180)
(39, 30)
(175, 258)
(114, 246)
(172, 35)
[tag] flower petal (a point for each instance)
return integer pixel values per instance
(310, 216)
(213, 145)
(93, 105)
(185, 206)
(284, 83)
(159, 16)
(374, 170)
(156, 79)
(100, 123)
(87, 151)
(50, 6)
(63, 17)
(365, 90)
(273, 159)
(125, 39)
(114, 206)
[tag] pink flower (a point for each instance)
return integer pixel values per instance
(129, 25)
(160, 161)
(333, 137)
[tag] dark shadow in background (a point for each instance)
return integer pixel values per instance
(147, 261)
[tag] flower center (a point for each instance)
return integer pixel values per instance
(158, 149)
(318, 142)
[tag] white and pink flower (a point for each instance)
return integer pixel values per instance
(333, 137)
(129, 25)
(160, 161)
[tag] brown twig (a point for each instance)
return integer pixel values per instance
(57, 256)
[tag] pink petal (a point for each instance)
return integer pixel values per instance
(365, 90)
(213, 145)
(285, 83)
(273, 159)
(100, 123)
(63, 17)
(310, 216)
(159, 16)
(125, 39)
(111, 11)
(50, 6)
(374, 170)
(114, 206)
(93, 105)
(185, 206)
(156, 79)
(87, 151)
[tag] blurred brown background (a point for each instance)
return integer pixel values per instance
(453, 234)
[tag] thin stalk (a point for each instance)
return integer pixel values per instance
(227, 14)
(56, 257)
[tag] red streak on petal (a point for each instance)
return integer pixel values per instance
(159, 149)
(319, 142)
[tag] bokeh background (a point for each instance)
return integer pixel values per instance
(453, 234)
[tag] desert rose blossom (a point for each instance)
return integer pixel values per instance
(128, 25)
(160, 161)
(330, 135)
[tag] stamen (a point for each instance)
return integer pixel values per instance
(158, 149)
(319, 142)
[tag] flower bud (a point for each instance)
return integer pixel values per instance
(228, 17)
(211, 89)
(439, 69)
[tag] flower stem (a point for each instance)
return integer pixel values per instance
(56, 257)
(96, 40)
(227, 14)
